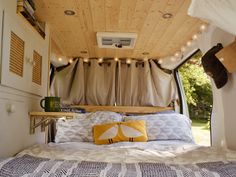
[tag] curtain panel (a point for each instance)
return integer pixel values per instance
(114, 83)
(144, 84)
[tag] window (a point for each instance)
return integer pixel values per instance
(198, 94)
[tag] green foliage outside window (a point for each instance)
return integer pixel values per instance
(197, 88)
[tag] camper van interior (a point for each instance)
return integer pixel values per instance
(98, 87)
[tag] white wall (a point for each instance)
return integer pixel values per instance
(228, 99)
(223, 99)
(14, 127)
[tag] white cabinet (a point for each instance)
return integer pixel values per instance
(24, 56)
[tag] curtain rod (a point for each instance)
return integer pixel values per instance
(116, 59)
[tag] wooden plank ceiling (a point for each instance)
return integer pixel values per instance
(158, 36)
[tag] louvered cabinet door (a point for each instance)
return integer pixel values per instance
(36, 77)
(14, 50)
(24, 58)
(39, 69)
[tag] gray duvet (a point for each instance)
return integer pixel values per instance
(27, 165)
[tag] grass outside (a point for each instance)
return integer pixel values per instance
(201, 132)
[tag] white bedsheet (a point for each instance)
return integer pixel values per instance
(127, 152)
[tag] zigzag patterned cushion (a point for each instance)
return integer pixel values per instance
(166, 126)
(79, 129)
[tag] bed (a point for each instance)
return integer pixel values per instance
(171, 153)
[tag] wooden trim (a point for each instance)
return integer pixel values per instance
(37, 68)
(46, 119)
(124, 109)
(160, 37)
(52, 114)
(16, 61)
(227, 57)
(49, 61)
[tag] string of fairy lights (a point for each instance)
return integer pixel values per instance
(178, 55)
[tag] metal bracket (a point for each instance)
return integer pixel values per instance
(44, 122)
(46, 118)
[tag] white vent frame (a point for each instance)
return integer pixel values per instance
(116, 40)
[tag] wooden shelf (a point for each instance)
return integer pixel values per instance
(51, 114)
(124, 109)
(227, 57)
(46, 118)
(22, 10)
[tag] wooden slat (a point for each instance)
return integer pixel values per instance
(16, 64)
(126, 14)
(160, 37)
(86, 22)
(141, 12)
(98, 14)
(227, 56)
(168, 31)
(37, 69)
(124, 109)
(149, 26)
(112, 10)
(52, 114)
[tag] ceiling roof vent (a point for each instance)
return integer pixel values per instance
(116, 40)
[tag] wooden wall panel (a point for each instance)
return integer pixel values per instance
(227, 56)
(156, 35)
(16, 64)
(37, 69)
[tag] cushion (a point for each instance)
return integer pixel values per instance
(79, 129)
(133, 131)
(166, 126)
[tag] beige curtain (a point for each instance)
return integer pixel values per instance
(110, 83)
(144, 84)
(100, 83)
(86, 83)
(69, 84)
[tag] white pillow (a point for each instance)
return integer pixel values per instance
(79, 129)
(166, 126)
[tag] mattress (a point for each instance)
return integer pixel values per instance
(124, 159)
(169, 152)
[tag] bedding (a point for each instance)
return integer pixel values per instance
(80, 128)
(172, 126)
(169, 153)
(178, 152)
(32, 166)
(154, 158)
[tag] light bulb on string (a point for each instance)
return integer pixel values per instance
(60, 59)
(202, 28)
(160, 61)
(183, 49)
(195, 37)
(116, 59)
(128, 61)
(189, 43)
(70, 60)
(100, 60)
(177, 54)
(86, 60)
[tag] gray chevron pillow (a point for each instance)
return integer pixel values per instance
(166, 126)
(79, 129)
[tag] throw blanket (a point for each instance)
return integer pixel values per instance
(27, 165)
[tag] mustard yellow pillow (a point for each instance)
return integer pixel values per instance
(134, 131)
